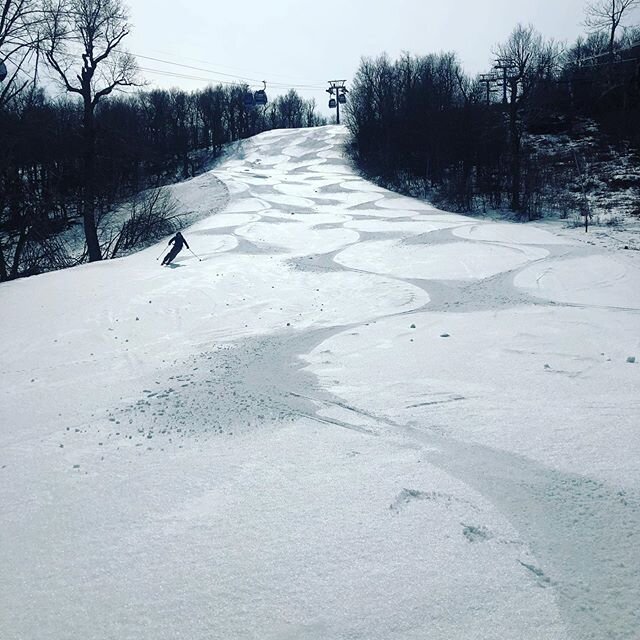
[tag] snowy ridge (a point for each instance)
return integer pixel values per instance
(356, 417)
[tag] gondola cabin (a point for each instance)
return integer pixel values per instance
(332, 103)
(260, 97)
(249, 101)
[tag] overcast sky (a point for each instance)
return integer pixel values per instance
(304, 44)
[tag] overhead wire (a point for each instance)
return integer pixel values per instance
(239, 79)
(243, 79)
(188, 66)
(184, 76)
(262, 74)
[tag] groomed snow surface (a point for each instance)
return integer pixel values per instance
(354, 417)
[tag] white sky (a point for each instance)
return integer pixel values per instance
(304, 43)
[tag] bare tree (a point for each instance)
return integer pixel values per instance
(19, 23)
(585, 49)
(607, 15)
(154, 214)
(82, 40)
(288, 110)
(529, 59)
(630, 36)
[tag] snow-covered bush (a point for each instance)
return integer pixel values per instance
(153, 214)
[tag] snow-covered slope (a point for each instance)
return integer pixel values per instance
(354, 416)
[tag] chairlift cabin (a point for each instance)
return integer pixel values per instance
(249, 101)
(332, 103)
(3, 71)
(342, 98)
(260, 97)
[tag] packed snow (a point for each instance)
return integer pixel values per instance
(344, 414)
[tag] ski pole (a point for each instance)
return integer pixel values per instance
(199, 258)
(160, 256)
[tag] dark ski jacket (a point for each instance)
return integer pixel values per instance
(177, 241)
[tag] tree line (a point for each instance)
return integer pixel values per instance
(69, 159)
(422, 125)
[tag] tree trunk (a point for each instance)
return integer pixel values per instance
(612, 40)
(17, 254)
(88, 208)
(3, 267)
(514, 134)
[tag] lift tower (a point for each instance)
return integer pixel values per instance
(338, 89)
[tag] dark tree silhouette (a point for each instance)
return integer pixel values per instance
(530, 60)
(82, 40)
(606, 16)
(19, 24)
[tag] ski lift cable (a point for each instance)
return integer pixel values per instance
(227, 75)
(185, 76)
(188, 66)
(276, 84)
(262, 74)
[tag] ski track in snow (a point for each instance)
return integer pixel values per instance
(356, 417)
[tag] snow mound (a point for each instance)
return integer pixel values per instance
(598, 281)
(451, 261)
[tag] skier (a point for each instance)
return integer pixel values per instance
(177, 241)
